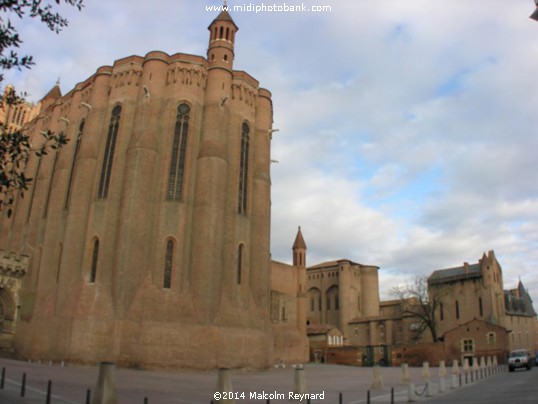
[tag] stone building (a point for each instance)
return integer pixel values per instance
(322, 337)
(148, 234)
(476, 291)
(341, 291)
(345, 294)
(476, 339)
(14, 116)
(288, 306)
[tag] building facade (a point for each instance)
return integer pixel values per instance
(14, 115)
(476, 291)
(147, 236)
(476, 316)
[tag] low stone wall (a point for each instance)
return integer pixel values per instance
(416, 355)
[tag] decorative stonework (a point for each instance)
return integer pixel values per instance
(13, 267)
(186, 76)
(127, 77)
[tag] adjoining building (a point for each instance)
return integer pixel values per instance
(15, 114)
(476, 316)
(476, 291)
(148, 234)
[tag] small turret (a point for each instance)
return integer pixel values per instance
(299, 250)
(299, 262)
(221, 41)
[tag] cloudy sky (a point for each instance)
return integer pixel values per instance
(407, 128)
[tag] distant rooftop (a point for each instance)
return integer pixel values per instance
(518, 302)
(466, 271)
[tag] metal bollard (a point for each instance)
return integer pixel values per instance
(392, 395)
(146, 401)
(23, 385)
(368, 397)
(340, 398)
(3, 378)
(49, 392)
(88, 396)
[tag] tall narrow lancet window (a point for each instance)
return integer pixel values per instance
(36, 176)
(47, 200)
(110, 146)
(73, 162)
(179, 150)
(95, 258)
(243, 170)
(59, 265)
(169, 257)
(239, 263)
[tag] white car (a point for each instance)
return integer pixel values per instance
(519, 358)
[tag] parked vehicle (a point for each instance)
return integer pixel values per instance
(519, 358)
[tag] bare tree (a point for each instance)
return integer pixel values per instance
(422, 301)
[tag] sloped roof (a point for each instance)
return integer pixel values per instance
(299, 240)
(518, 302)
(466, 271)
(335, 263)
(224, 16)
(54, 93)
(320, 329)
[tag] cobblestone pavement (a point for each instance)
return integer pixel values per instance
(71, 382)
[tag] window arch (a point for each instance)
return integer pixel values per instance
(179, 150)
(110, 146)
(332, 297)
(243, 170)
(73, 162)
(95, 258)
(315, 299)
(168, 264)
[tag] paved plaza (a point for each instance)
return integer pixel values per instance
(71, 382)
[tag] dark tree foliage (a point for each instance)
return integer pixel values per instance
(9, 37)
(15, 147)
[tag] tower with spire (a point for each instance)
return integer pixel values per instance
(299, 262)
